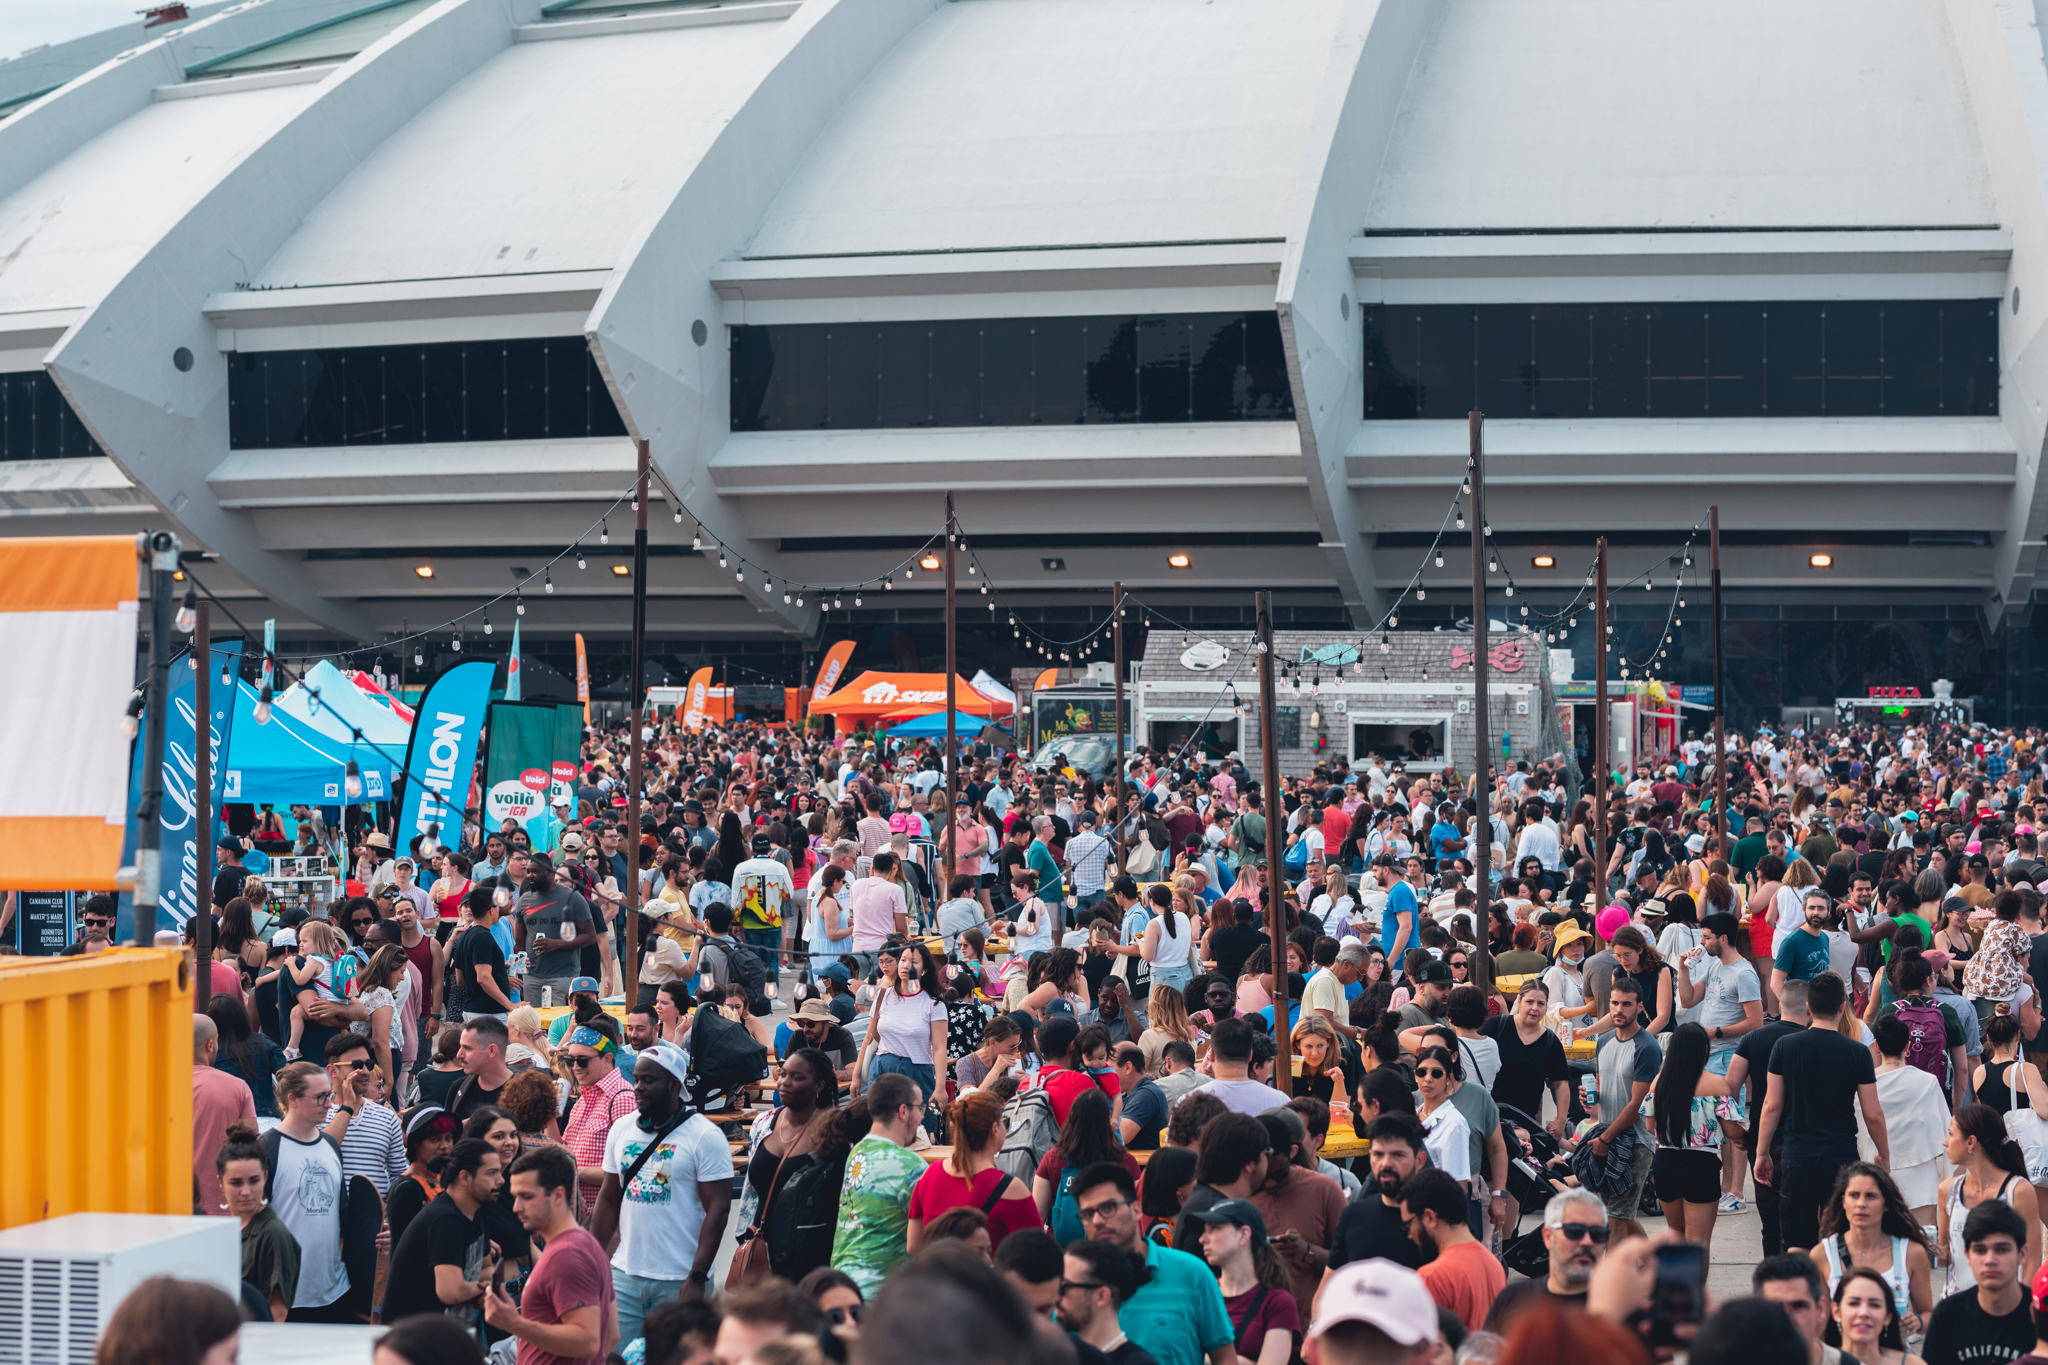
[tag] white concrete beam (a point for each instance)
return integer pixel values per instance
(166, 426)
(1376, 47)
(657, 330)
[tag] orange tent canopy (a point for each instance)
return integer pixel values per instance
(873, 695)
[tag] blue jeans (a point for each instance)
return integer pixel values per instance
(1087, 901)
(921, 1072)
(1176, 977)
(767, 942)
(637, 1297)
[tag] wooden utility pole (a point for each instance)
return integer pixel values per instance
(1116, 781)
(636, 696)
(1482, 738)
(1600, 724)
(1720, 704)
(952, 672)
(202, 803)
(1269, 755)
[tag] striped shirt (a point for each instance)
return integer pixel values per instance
(374, 1146)
(597, 1109)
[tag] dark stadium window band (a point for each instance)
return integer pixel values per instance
(1839, 358)
(1007, 372)
(36, 423)
(530, 389)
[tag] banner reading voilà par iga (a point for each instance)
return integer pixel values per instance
(178, 844)
(441, 755)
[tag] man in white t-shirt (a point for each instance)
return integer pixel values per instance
(1231, 1049)
(670, 1217)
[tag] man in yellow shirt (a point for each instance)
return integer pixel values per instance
(1336, 969)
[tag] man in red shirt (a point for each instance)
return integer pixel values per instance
(1065, 1077)
(219, 1101)
(565, 1314)
(607, 1096)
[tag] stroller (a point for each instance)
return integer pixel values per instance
(1531, 1150)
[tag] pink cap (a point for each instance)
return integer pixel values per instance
(902, 822)
(1937, 959)
(1380, 1294)
(1610, 920)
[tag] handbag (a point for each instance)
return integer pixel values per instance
(750, 1261)
(1143, 857)
(2024, 1125)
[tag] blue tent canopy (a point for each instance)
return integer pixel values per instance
(289, 761)
(933, 726)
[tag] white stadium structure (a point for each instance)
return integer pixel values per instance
(344, 291)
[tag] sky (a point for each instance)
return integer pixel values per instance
(29, 23)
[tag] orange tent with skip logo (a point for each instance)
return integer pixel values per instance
(873, 695)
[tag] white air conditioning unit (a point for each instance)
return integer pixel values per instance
(1102, 673)
(1465, 709)
(61, 1280)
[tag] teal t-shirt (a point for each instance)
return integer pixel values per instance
(1178, 1316)
(874, 1210)
(1802, 956)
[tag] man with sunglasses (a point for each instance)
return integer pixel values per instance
(371, 1137)
(1575, 1233)
(95, 927)
(606, 1095)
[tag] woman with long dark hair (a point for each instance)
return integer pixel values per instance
(731, 848)
(1989, 1165)
(908, 1025)
(1088, 1136)
(246, 1053)
(1866, 1226)
(1687, 1167)
(1867, 1320)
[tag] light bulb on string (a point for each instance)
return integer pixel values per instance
(487, 623)
(739, 575)
(679, 516)
(418, 657)
(1421, 594)
(1393, 619)
(856, 599)
(579, 557)
(1492, 564)
(1511, 590)
(1461, 520)
(835, 602)
(456, 643)
(604, 532)
(1439, 559)
(519, 604)
(352, 781)
(1486, 528)
(187, 619)
(721, 559)
(547, 581)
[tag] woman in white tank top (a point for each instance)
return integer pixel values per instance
(1168, 942)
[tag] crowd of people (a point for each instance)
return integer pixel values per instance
(1033, 1105)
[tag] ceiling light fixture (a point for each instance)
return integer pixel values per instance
(425, 571)
(1544, 561)
(1178, 561)
(1820, 561)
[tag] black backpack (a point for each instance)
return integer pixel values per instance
(801, 1221)
(744, 965)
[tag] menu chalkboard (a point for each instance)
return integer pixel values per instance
(42, 921)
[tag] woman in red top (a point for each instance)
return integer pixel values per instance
(969, 1176)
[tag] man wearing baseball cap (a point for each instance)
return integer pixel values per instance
(1372, 1313)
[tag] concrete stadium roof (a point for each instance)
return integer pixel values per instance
(643, 176)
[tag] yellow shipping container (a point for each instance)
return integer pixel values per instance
(95, 1085)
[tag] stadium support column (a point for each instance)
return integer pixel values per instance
(1482, 739)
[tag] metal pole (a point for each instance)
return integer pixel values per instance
(1116, 781)
(202, 803)
(159, 551)
(1720, 713)
(952, 759)
(1283, 1073)
(637, 695)
(1482, 739)
(1600, 724)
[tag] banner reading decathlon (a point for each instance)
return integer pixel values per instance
(832, 669)
(178, 843)
(441, 755)
(699, 698)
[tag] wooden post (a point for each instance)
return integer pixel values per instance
(1600, 724)
(636, 695)
(202, 803)
(1269, 754)
(1720, 703)
(952, 759)
(1116, 781)
(1482, 737)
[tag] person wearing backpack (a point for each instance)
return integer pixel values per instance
(1084, 1139)
(732, 962)
(1248, 832)
(1934, 1032)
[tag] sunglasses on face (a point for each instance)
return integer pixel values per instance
(1432, 1071)
(839, 1317)
(360, 1064)
(576, 1060)
(1596, 1233)
(99, 920)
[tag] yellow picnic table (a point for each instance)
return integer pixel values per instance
(617, 1009)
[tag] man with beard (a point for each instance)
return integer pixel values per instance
(1371, 1225)
(1575, 1234)
(667, 1189)
(1462, 1274)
